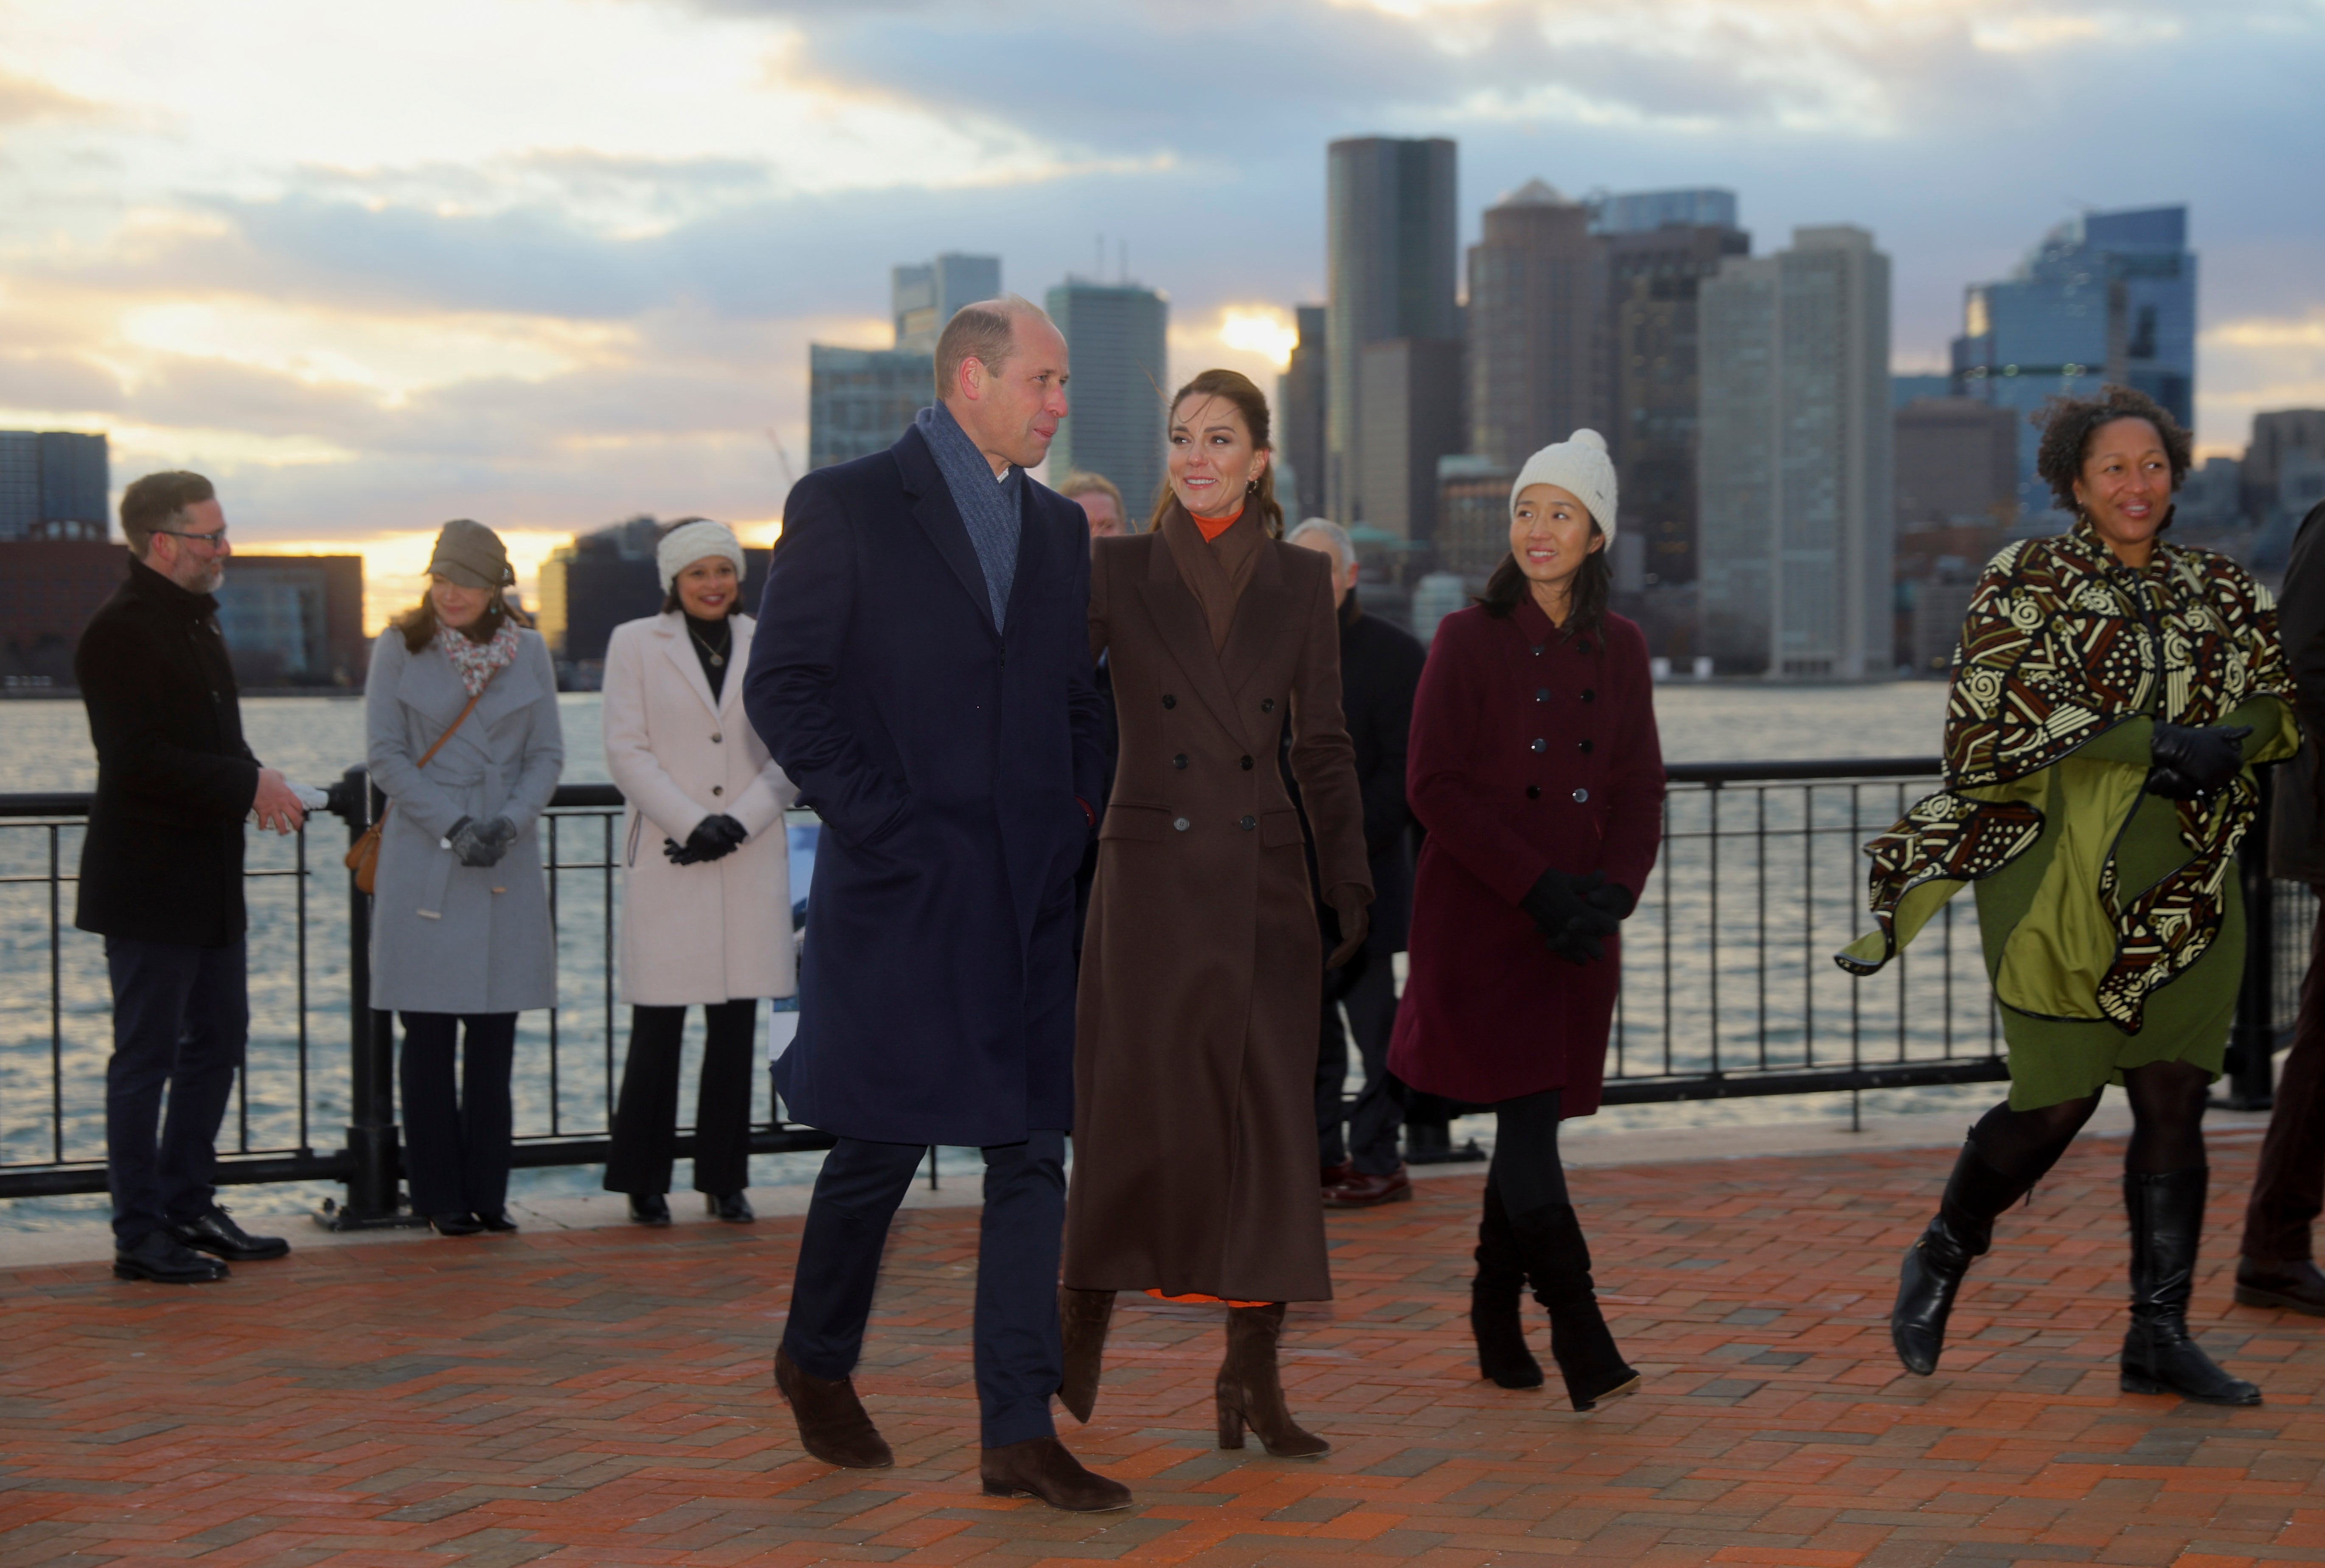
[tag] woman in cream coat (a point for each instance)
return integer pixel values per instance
(706, 882)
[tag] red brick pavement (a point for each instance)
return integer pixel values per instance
(603, 1396)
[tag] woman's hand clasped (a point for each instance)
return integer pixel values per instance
(713, 837)
(1576, 914)
(2190, 763)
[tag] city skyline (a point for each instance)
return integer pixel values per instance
(553, 293)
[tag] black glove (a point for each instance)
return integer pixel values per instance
(2192, 763)
(481, 844)
(713, 838)
(1572, 914)
(1612, 898)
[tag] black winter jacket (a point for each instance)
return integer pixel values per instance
(2296, 838)
(162, 858)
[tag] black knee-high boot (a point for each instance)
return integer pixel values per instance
(1963, 1229)
(1494, 1298)
(1558, 1261)
(2167, 1220)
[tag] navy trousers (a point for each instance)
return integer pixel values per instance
(456, 1146)
(1018, 1361)
(1369, 994)
(181, 1019)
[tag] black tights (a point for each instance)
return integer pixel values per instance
(2167, 1128)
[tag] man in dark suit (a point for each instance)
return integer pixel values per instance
(160, 879)
(1380, 666)
(922, 672)
(2279, 1267)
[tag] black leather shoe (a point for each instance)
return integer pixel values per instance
(454, 1224)
(2296, 1286)
(215, 1232)
(649, 1209)
(498, 1222)
(162, 1258)
(735, 1208)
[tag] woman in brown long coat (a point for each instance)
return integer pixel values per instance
(1194, 1171)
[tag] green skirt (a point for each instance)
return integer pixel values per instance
(2054, 1060)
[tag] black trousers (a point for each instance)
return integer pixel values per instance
(1018, 1363)
(1527, 1172)
(2289, 1189)
(645, 1118)
(181, 1019)
(1369, 994)
(456, 1145)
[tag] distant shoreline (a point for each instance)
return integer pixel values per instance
(72, 693)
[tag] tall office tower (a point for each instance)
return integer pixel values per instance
(2275, 437)
(20, 484)
(925, 297)
(1957, 464)
(1410, 391)
(2108, 297)
(1645, 211)
(1536, 297)
(1299, 402)
(860, 400)
(1391, 257)
(1116, 341)
(1650, 394)
(1794, 460)
(53, 485)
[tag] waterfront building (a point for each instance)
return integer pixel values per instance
(1650, 394)
(1645, 211)
(860, 400)
(2212, 496)
(294, 620)
(1391, 259)
(1536, 299)
(1473, 515)
(1794, 460)
(1300, 402)
(1410, 390)
(1118, 336)
(1957, 464)
(2108, 297)
(925, 296)
(2276, 436)
(53, 485)
(49, 589)
(602, 579)
(1914, 385)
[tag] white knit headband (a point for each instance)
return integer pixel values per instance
(682, 546)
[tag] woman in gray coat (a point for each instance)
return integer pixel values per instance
(460, 926)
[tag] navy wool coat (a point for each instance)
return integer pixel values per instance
(949, 760)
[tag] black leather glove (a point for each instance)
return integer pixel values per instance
(1612, 899)
(2192, 763)
(481, 844)
(1574, 914)
(713, 838)
(1354, 911)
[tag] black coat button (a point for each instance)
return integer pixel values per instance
(1536, 650)
(1542, 694)
(718, 789)
(1588, 695)
(717, 739)
(1182, 823)
(1580, 796)
(1180, 760)
(1538, 745)
(1586, 748)
(1533, 792)
(1169, 701)
(1246, 765)
(1267, 705)
(1248, 824)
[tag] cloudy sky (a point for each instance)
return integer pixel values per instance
(549, 262)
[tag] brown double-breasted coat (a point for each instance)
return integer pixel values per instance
(1195, 1054)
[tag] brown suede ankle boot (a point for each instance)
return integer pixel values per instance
(833, 1425)
(1082, 1319)
(1249, 1393)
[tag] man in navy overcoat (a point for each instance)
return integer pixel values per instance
(922, 671)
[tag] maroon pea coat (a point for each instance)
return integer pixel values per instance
(1529, 750)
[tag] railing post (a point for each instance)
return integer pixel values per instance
(2251, 1043)
(372, 1133)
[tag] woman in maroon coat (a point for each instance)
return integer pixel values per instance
(1535, 769)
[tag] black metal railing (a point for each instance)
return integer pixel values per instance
(1728, 983)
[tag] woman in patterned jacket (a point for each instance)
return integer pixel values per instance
(2110, 695)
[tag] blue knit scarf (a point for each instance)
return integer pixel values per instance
(989, 507)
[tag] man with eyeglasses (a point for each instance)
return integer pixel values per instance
(160, 879)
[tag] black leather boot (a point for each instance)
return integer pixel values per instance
(1558, 1261)
(2167, 1220)
(1934, 1264)
(1496, 1296)
(1082, 1319)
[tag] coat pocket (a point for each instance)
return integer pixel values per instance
(1278, 830)
(1147, 824)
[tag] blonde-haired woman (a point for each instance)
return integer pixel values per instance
(460, 711)
(706, 876)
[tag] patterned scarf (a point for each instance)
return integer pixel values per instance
(475, 661)
(2061, 643)
(989, 507)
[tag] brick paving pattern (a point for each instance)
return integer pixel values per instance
(604, 1397)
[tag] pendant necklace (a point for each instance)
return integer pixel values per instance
(717, 657)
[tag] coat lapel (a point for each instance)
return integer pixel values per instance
(1180, 619)
(1260, 618)
(941, 520)
(678, 648)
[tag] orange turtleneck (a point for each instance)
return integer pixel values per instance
(1212, 527)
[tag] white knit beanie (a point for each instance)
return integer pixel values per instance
(688, 543)
(1579, 465)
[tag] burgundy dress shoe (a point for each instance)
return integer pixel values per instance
(1333, 1175)
(1040, 1467)
(832, 1423)
(2295, 1286)
(1363, 1191)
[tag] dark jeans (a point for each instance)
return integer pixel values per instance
(2289, 1190)
(456, 1146)
(645, 1118)
(1369, 993)
(180, 1019)
(1526, 1170)
(1018, 1363)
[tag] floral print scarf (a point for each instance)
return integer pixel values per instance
(475, 661)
